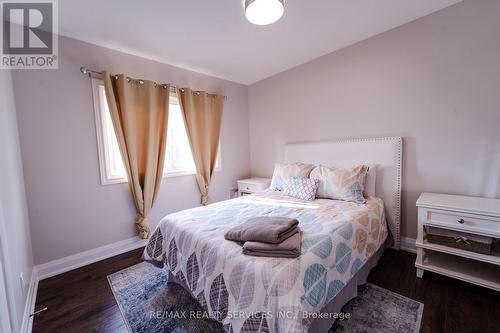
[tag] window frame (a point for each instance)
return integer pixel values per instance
(105, 174)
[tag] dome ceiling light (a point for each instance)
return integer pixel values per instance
(263, 12)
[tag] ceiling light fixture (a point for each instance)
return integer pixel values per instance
(263, 12)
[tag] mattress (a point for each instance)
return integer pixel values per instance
(248, 293)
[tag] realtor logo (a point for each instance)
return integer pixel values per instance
(29, 35)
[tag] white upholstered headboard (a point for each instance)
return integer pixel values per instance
(385, 153)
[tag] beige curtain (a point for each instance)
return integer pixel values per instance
(202, 116)
(139, 110)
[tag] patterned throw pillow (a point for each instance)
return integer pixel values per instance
(284, 171)
(340, 183)
(301, 188)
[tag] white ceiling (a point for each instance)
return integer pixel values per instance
(213, 36)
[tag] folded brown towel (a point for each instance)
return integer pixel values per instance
(289, 248)
(268, 229)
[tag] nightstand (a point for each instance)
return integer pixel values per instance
(467, 218)
(252, 185)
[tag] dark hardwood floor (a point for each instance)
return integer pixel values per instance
(82, 301)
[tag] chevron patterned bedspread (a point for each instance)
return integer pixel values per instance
(268, 294)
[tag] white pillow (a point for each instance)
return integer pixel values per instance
(341, 183)
(371, 178)
(284, 171)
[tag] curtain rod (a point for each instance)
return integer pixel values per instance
(91, 72)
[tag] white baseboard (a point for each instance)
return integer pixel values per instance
(81, 259)
(408, 244)
(29, 306)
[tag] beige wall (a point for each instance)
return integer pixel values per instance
(434, 81)
(69, 208)
(15, 251)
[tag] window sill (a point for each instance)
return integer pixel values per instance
(114, 181)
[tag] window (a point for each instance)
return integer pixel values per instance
(178, 157)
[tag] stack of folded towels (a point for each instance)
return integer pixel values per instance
(268, 236)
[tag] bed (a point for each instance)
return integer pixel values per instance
(341, 242)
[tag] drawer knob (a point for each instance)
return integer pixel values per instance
(461, 221)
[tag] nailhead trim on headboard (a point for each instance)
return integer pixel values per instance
(397, 209)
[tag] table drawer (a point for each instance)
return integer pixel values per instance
(249, 187)
(469, 222)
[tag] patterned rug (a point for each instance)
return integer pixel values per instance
(149, 303)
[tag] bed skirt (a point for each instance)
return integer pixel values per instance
(347, 293)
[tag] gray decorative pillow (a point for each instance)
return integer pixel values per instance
(301, 188)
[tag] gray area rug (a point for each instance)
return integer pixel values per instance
(149, 303)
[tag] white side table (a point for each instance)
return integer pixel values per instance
(471, 215)
(252, 185)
